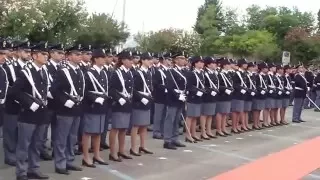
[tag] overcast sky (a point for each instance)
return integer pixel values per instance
(146, 15)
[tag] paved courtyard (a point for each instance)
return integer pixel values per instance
(196, 161)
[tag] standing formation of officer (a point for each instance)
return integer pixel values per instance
(78, 91)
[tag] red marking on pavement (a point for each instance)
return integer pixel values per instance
(292, 163)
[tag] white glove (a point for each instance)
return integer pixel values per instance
(271, 91)
(308, 88)
(34, 106)
(280, 92)
(182, 97)
(228, 91)
(252, 93)
(2, 101)
(69, 104)
(199, 93)
(122, 101)
(99, 100)
(263, 92)
(213, 93)
(165, 90)
(287, 92)
(144, 101)
(49, 95)
(243, 91)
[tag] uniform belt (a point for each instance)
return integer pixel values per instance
(298, 88)
(178, 91)
(144, 93)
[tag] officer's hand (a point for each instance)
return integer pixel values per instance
(99, 100)
(69, 104)
(34, 106)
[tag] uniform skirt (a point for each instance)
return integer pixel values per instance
(223, 107)
(237, 105)
(258, 104)
(208, 109)
(120, 120)
(279, 103)
(285, 102)
(247, 106)
(270, 103)
(193, 110)
(93, 123)
(140, 117)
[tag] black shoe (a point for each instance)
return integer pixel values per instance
(221, 134)
(134, 153)
(212, 136)
(99, 162)
(235, 131)
(73, 168)
(22, 178)
(197, 139)
(144, 150)
(178, 144)
(37, 175)
(296, 121)
(205, 138)
(45, 156)
(168, 145)
(104, 146)
(302, 121)
(9, 163)
(62, 171)
(111, 158)
(77, 152)
(190, 141)
(84, 163)
(124, 156)
(157, 137)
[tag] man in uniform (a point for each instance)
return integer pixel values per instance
(31, 90)
(56, 56)
(300, 91)
(12, 106)
(4, 83)
(68, 91)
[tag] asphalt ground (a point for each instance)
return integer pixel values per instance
(197, 161)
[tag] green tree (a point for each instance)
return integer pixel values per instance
(103, 30)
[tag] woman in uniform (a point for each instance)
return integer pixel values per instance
(287, 93)
(270, 102)
(96, 107)
(142, 102)
(224, 99)
(121, 90)
(251, 84)
(209, 100)
(280, 92)
(259, 101)
(239, 94)
(195, 92)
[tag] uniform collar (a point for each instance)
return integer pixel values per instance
(144, 69)
(225, 71)
(55, 64)
(197, 70)
(36, 67)
(73, 67)
(124, 68)
(21, 63)
(164, 67)
(179, 68)
(97, 68)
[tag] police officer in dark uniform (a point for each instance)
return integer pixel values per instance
(56, 53)
(96, 105)
(310, 80)
(159, 95)
(31, 90)
(12, 107)
(300, 90)
(4, 83)
(108, 68)
(176, 99)
(68, 90)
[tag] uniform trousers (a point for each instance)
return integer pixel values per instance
(80, 131)
(66, 132)
(297, 109)
(307, 104)
(1, 120)
(28, 148)
(171, 124)
(318, 98)
(10, 132)
(106, 127)
(158, 119)
(44, 139)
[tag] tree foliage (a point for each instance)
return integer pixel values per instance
(64, 21)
